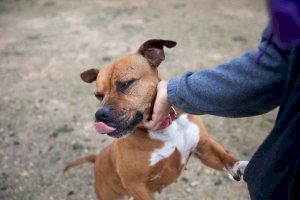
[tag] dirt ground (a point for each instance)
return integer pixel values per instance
(46, 111)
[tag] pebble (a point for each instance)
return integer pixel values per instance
(229, 177)
(25, 173)
(188, 189)
(184, 179)
(3, 188)
(78, 146)
(31, 164)
(4, 175)
(70, 193)
(65, 128)
(194, 183)
(245, 152)
(216, 180)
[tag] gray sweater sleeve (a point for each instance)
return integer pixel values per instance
(238, 88)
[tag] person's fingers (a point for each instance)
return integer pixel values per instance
(161, 108)
(154, 123)
(150, 125)
(157, 118)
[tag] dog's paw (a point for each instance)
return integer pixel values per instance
(238, 170)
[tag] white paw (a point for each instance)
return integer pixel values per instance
(238, 169)
(241, 166)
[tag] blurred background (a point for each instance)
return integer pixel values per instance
(46, 111)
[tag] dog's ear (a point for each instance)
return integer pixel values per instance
(89, 75)
(153, 50)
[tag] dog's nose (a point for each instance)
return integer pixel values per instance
(103, 114)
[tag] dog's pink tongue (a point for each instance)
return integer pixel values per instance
(103, 128)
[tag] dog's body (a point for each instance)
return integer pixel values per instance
(144, 162)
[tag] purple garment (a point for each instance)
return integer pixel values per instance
(285, 20)
(285, 25)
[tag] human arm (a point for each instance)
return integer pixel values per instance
(239, 88)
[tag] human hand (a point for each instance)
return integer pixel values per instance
(161, 108)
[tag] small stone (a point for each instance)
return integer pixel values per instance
(4, 175)
(50, 148)
(188, 189)
(25, 173)
(78, 146)
(194, 183)
(229, 177)
(106, 58)
(216, 180)
(70, 193)
(180, 5)
(87, 126)
(16, 143)
(65, 128)
(184, 179)
(12, 134)
(271, 120)
(54, 134)
(239, 38)
(49, 3)
(245, 152)
(3, 188)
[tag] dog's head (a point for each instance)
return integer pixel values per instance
(126, 88)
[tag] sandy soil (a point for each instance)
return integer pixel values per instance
(46, 112)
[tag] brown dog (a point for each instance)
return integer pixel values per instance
(144, 162)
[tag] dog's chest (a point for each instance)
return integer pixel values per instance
(182, 135)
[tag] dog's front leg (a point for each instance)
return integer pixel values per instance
(139, 191)
(212, 154)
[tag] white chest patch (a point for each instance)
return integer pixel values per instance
(182, 135)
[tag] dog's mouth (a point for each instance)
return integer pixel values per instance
(122, 129)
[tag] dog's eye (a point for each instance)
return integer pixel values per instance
(122, 86)
(99, 96)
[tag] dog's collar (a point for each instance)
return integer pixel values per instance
(168, 121)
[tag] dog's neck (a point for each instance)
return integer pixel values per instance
(168, 121)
